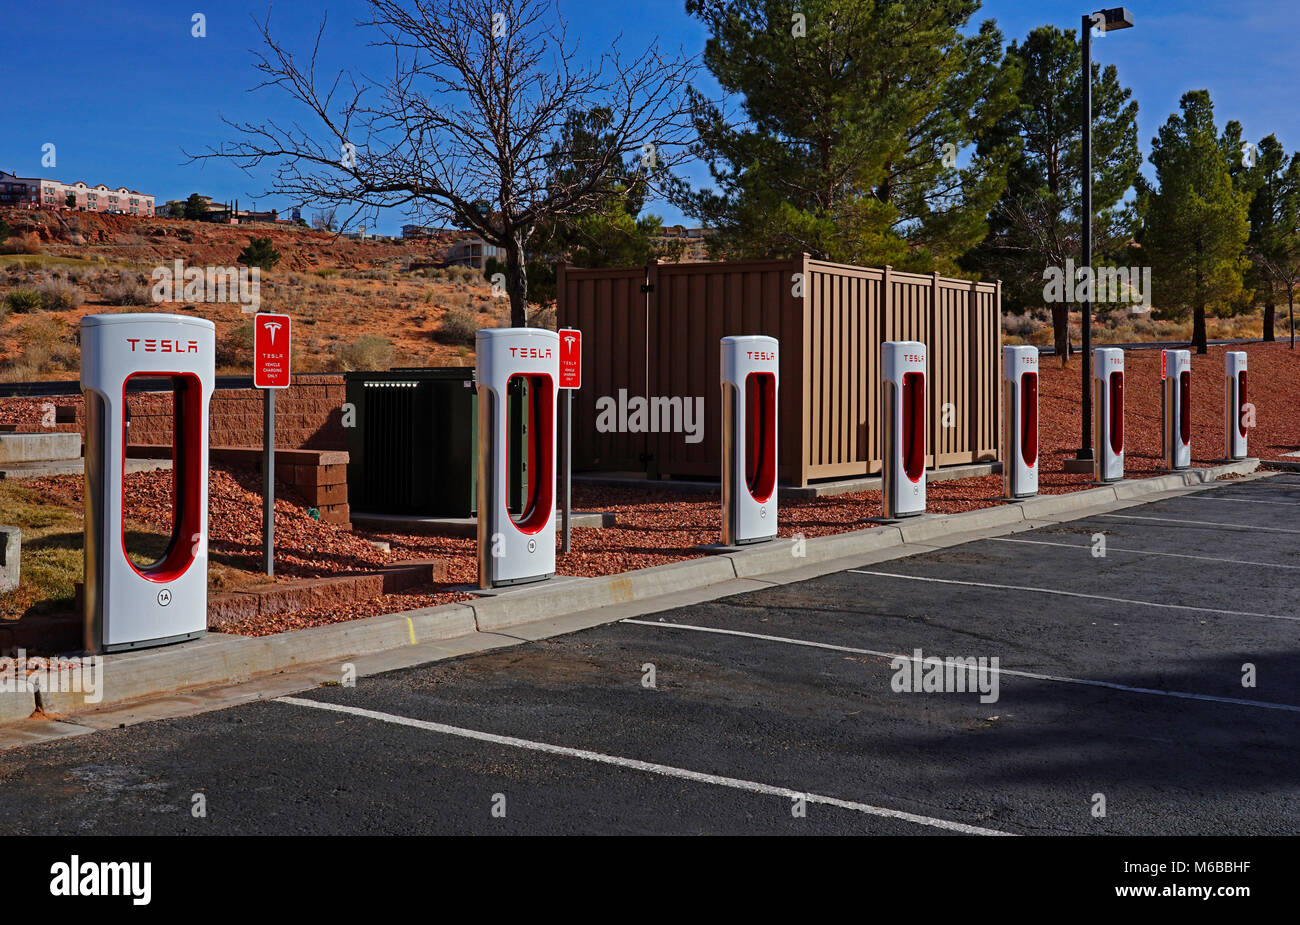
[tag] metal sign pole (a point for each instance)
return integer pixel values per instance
(568, 467)
(268, 481)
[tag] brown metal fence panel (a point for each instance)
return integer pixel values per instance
(831, 320)
(610, 310)
(695, 305)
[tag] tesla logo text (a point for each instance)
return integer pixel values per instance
(761, 354)
(163, 346)
(531, 353)
(913, 358)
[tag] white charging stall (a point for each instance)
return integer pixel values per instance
(1234, 404)
(133, 604)
(1019, 422)
(902, 403)
(749, 389)
(1176, 407)
(517, 372)
(1108, 413)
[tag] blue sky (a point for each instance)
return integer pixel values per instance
(122, 116)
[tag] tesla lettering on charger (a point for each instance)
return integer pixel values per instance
(272, 349)
(130, 603)
(153, 345)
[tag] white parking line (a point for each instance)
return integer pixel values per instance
(648, 766)
(1206, 496)
(1199, 523)
(1144, 552)
(1091, 597)
(1060, 679)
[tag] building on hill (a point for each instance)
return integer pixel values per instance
(692, 241)
(34, 192)
(18, 191)
(422, 231)
(472, 251)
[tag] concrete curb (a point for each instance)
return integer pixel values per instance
(218, 659)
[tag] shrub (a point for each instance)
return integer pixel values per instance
(235, 347)
(459, 327)
(25, 244)
(59, 295)
(544, 318)
(369, 351)
(125, 291)
(465, 275)
(44, 346)
(1020, 325)
(23, 300)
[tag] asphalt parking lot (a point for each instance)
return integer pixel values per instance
(1120, 708)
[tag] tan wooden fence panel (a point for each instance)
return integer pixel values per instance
(831, 320)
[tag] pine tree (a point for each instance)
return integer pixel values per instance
(1196, 224)
(259, 253)
(854, 115)
(1035, 224)
(1272, 181)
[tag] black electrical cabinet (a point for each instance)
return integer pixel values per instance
(413, 442)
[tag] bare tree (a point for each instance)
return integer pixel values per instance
(325, 220)
(468, 128)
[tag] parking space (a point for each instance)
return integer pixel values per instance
(1118, 686)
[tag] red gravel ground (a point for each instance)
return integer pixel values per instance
(659, 526)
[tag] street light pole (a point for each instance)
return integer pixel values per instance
(1085, 236)
(1104, 21)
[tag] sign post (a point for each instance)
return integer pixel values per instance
(272, 343)
(570, 379)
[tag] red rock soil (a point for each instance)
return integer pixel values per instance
(659, 526)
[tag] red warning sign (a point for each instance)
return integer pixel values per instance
(570, 358)
(272, 339)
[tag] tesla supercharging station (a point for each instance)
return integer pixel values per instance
(903, 400)
(130, 605)
(1176, 407)
(749, 388)
(1019, 422)
(1234, 404)
(517, 372)
(1108, 413)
